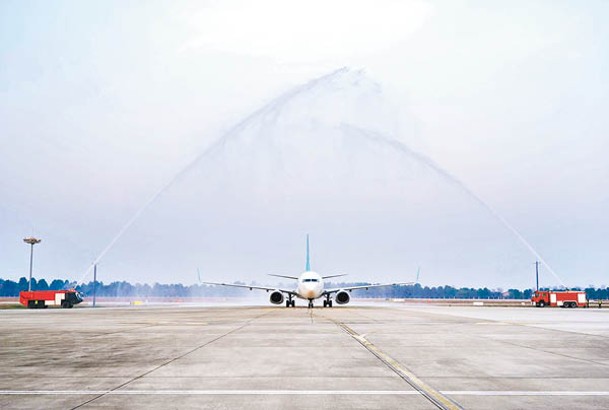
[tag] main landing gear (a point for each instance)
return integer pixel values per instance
(290, 302)
(328, 302)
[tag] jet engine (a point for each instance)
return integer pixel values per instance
(342, 297)
(276, 297)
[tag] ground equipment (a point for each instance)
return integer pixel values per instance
(565, 298)
(44, 298)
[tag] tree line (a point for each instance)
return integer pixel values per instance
(9, 288)
(12, 288)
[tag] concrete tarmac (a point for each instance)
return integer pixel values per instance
(366, 356)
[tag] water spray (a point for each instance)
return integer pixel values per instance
(219, 143)
(274, 108)
(428, 162)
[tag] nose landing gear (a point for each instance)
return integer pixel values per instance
(310, 304)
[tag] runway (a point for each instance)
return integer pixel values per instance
(366, 356)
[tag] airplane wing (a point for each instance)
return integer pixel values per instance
(333, 276)
(251, 287)
(376, 285)
(284, 276)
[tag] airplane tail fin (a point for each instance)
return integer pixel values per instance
(308, 266)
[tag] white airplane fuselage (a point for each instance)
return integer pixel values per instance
(310, 285)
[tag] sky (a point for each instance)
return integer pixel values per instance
(104, 103)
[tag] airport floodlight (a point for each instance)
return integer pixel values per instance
(31, 241)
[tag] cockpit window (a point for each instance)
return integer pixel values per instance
(310, 280)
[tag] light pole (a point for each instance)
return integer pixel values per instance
(31, 241)
(537, 274)
(94, 282)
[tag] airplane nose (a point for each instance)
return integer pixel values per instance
(310, 294)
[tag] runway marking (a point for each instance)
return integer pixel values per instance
(488, 393)
(526, 393)
(212, 392)
(431, 394)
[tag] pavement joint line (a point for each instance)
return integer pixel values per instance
(531, 326)
(537, 326)
(489, 393)
(133, 329)
(173, 360)
(547, 351)
(433, 395)
(571, 332)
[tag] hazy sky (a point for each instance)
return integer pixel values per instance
(102, 103)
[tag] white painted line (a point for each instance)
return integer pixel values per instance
(210, 392)
(526, 393)
(293, 393)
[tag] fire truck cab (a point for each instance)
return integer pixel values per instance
(567, 298)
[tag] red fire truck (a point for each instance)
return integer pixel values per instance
(44, 298)
(566, 298)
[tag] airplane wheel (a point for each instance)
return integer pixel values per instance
(288, 303)
(329, 303)
(293, 303)
(325, 303)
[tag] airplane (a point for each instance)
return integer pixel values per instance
(310, 287)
